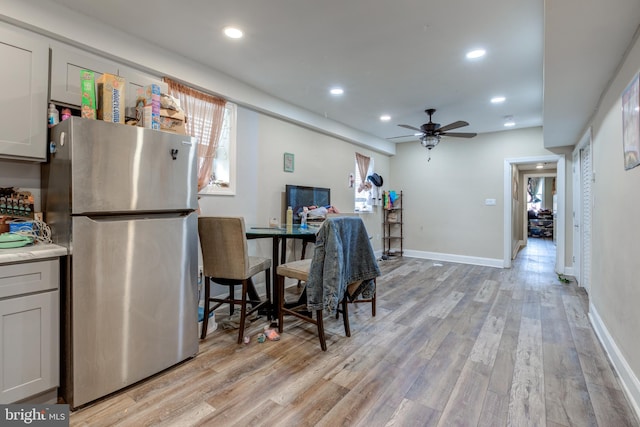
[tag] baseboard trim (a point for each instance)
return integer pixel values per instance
(630, 383)
(462, 259)
(519, 246)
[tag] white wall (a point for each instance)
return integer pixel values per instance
(320, 161)
(615, 284)
(22, 175)
(445, 197)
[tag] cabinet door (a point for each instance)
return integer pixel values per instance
(23, 94)
(66, 64)
(29, 345)
(136, 79)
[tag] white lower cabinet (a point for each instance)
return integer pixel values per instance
(29, 329)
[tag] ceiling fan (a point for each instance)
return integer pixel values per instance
(430, 133)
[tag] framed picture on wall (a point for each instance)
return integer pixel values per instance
(288, 162)
(631, 124)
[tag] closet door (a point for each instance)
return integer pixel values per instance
(585, 211)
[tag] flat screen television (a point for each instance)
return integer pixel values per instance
(299, 196)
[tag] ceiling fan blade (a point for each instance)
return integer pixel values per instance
(454, 125)
(460, 134)
(402, 136)
(410, 127)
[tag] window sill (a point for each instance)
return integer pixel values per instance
(217, 191)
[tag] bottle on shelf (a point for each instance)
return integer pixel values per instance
(53, 117)
(289, 218)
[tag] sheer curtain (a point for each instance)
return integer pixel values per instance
(363, 166)
(205, 114)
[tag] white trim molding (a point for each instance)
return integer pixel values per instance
(462, 259)
(630, 383)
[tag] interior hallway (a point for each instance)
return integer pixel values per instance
(451, 344)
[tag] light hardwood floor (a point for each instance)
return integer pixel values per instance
(451, 344)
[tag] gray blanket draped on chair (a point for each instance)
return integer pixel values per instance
(343, 255)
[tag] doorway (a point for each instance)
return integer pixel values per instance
(540, 207)
(514, 197)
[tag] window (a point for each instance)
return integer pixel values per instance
(363, 194)
(222, 180)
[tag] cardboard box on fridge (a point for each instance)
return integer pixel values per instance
(172, 121)
(111, 98)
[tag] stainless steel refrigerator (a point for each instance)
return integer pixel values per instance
(123, 200)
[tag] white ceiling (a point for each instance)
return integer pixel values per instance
(401, 57)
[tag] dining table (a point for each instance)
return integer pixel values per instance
(279, 236)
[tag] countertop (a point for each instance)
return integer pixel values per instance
(31, 253)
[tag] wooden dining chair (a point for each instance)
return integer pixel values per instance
(226, 261)
(348, 235)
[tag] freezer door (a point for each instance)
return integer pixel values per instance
(134, 300)
(119, 168)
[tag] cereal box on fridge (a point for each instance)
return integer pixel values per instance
(148, 106)
(88, 89)
(111, 98)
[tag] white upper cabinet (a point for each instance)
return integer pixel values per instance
(23, 94)
(66, 64)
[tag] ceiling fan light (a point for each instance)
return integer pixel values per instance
(429, 141)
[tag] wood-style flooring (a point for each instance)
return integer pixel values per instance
(451, 345)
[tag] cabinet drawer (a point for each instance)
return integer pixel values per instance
(17, 279)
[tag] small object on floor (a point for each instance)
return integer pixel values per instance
(261, 338)
(247, 339)
(272, 334)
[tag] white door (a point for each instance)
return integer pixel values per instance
(582, 178)
(585, 258)
(577, 203)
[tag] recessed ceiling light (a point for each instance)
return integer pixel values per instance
(498, 99)
(474, 54)
(509, 124)
(337, 91)
(539, 166)
(385, 118)
(233, 33)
